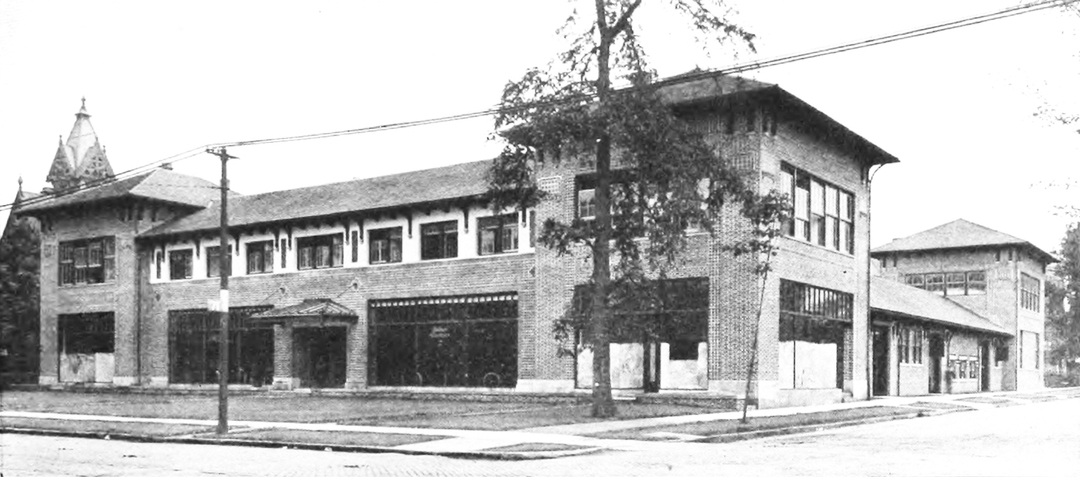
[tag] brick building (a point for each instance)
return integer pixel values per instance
(411, 281)
(961, 309)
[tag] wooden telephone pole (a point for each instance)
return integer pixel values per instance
(224, 257)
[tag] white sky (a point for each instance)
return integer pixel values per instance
(955, 107)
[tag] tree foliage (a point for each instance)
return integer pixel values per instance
(19, 294)
(1063, 303)
(654, 174)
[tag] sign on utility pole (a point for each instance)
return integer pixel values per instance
(224, 256)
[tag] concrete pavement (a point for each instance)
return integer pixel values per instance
(459, 441)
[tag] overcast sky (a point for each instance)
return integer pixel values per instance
(957, 107)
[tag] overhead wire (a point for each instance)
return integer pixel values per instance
(734, 69)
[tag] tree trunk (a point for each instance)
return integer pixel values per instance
(600, 316)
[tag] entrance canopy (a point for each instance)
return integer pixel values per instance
(310, 312)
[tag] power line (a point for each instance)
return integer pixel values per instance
(734, 69)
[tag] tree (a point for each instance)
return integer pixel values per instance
(1063, 322)
(19, 297)
(655, 175)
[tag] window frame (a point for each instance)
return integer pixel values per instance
(211, 253)
(96, 268)
(1030, 293)
(435, 240)
(821, 213)
(391, 236)
(184, 257)
(501, 224)
(267, 256)
(332, 243)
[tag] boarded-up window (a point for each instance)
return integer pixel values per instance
(813, 321)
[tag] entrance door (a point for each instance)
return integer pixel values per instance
(881, 361)
(937, 352)
(984, 358)
(319, 356)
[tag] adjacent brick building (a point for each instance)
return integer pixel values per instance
(411, 281)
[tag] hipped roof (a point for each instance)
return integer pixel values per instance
(958, 234)
(158, 185)
(409, 188)
(910, 302)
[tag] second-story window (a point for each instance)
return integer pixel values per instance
(87, 261)
(180, 264)
(821, 213)
(498, 234)
(384, 245)
(951, 283)
(586, 204)
(439, 240)
(260, 257)
(213, 261)
(323, 251)
(1029, 293)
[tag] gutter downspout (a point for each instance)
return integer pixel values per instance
(869, 320)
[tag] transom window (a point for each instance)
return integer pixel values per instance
(88, 261)
(213, 263)
(951, 283)
(384, 246)
(821, 213)
(322, 251)
(180, 264)
(498, 234)
(439, 240)
(260, 257)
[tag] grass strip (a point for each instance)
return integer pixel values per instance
(537, 447)
(141, 429)
(335, 438)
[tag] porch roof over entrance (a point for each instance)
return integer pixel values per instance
(317, 308)
(907, 301)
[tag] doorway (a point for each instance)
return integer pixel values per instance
(881, 361)
(937, 352)
(319, 356)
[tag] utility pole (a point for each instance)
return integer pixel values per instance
(224, 257)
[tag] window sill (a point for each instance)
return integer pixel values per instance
(818, 247)
(375, 264)
(311, 269)
(84, 285)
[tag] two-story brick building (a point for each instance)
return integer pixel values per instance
(411, 281)
(989, 283)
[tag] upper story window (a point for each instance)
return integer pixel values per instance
(586, 204)
(498, 234)
(88, 261)
(951, 283)
(323, 251)
(1029, 293)
(213, 261)
(822, 213)
(439, 240)
(180, 264)
(384, 245)
(260, 257)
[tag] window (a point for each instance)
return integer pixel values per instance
(180, 264)
(384, 245)
(586, 204)
(976, 283)
(915, 281)
(813, 324)
(955, 283)
(355, 246)
(194, 346)
(260, 257)
(322, 251)
(282, 247)
(439, 240)
(86, 333)
(935, 282)
(1029, 292)
(1001, 353)
(532, 228)
(822, 214)
(498, 234)
(1029, 350)
(910, 345)
(87, 261)
(159, 259)
(213, 261)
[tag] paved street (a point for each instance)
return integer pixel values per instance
(1037, 439)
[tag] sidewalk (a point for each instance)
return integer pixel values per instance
(538, 442)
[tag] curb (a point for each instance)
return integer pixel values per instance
(783, 431)
(533, 455)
